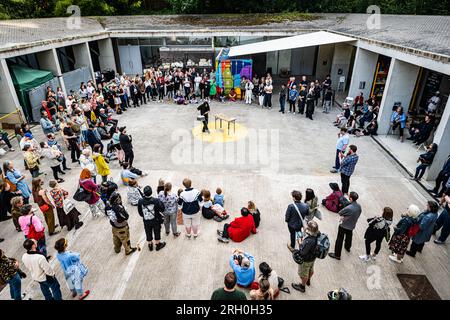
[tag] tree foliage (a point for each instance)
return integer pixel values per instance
(17, 9)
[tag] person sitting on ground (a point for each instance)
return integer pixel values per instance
(179, 98)
(239, 229)
(134, 193)
(232, 95)
(207, 212)
(229, 292)
(254, 211)
(218, 197)
(270, 275)
(128, 174)
(243, 265)
(331, 202)
(265, 292)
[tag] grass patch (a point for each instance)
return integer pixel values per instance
(231, 19)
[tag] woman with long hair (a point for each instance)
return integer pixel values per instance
(313, 203)
(265, 292)
(45, 205)
(27, 219)
(86, 182)
(169, 199)
(68, 216)
(16, 180)
(254, 211)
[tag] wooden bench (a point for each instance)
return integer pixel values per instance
(223, 117)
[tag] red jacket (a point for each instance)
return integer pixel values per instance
(241, 227)
(332, 201)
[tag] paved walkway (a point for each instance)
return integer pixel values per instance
(299, 156)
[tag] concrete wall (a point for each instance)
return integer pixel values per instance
(363, 71)
(83, 57)
(442, 139)
(48, 60)
(324, 61)
(400, 85)
(8, 96)
(106, 58)
(341, 60)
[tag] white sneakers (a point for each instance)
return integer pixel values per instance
(394, 258)
(366, 258)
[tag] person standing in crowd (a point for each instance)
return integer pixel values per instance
(268, 89)
(282, 98)
(46, 124)
(68, 217)
(126, 145)
(433, 103)
(6, 195)
(442, 179)
(41, 271)
(327, 101)
(296, 212)
(12, 275)
(53, 158)
(349, 217)
(31, 161)
(229, 292)
(341, 146)
(248, 91)
(377, 230)
(293, 95)
(302, 99)
(74, 270)
(317, 91)
(100, 163)
(151, 210)
(426, 160)
(72, 139)
(401, 237)
(16, 204)
(310, 102)
(326, 85)
(398, 119)
(307, 250)
(313, 203)
(443, 221)
(92, 138)
(28, 219)
(239, 229)
(190, 200)
(426, 221)
(45, 205)
(204, 111)
(243, 265)
(118, 217)
(348, 165)
(169, 199)
(96, 204)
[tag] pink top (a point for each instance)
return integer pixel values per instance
(89, 185)
(24, 221)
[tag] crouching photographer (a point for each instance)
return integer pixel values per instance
(243, 265)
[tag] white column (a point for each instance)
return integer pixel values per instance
(341, 61)
(8, 96)
(48, 60)
(363, 71)
(83, 57)
(442, 139)
(399, 87)
(106, 58)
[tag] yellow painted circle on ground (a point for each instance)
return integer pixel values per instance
(220, 135)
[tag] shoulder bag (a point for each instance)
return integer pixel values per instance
(32, 233)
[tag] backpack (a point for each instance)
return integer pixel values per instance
(413, 230)
(322, 246)
(343, 202)
(82, 195)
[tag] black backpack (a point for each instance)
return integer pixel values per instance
(343, 202)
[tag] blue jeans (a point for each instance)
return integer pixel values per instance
(337, 162)
(15, 287)
(50, 289)
(443, 222)
(282, 104)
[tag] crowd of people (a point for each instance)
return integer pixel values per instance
(87, 125)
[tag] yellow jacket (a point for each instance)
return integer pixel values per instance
(102, 166)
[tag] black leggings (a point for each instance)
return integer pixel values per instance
(377, 245)
(292, 106)
(129, 157)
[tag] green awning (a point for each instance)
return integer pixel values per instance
(26, 79)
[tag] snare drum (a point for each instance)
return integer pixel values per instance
(200, 118)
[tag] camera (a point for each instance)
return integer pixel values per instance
(238, 257)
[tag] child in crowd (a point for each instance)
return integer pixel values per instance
(207, 212)
(193, 99)
(134, 193)
(160, 186)
(254, 211)
(218, 197)
(232, 95)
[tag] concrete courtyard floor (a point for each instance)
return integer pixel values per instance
(300, 155)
